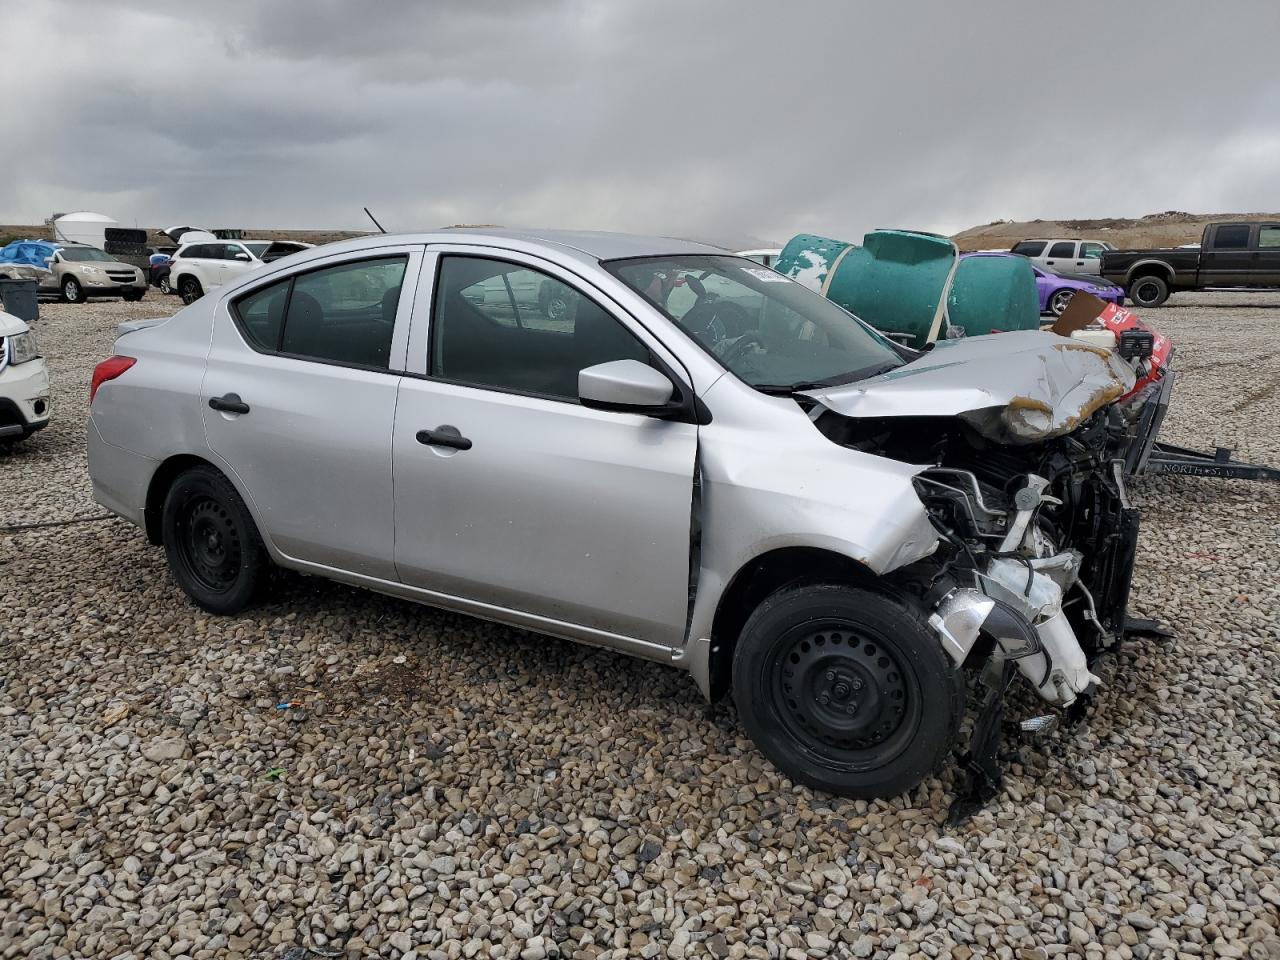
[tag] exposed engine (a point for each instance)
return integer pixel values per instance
(1039, 540)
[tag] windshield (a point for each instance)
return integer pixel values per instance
(84, 254)
(257, 249)
(770, 331)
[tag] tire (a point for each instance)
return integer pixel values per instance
(72, 291)
(134, 297)
(894, 699)
(1058, 301)
(163, 286)
(1148, 291)
(190, 290)
(215, 553)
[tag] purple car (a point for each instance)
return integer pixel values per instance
(1056, 289)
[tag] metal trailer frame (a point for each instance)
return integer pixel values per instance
(1148, 457)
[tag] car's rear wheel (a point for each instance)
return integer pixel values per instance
(847, 690)
(190, 290)
(163, 286)
(72, 292)
(133, 296)
(1149, 291)
(1058, 302)
(214, 550)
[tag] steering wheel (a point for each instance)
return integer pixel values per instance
(723, 320)
(739, 346)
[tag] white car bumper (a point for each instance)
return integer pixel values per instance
(24, 398)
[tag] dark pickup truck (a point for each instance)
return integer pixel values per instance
(1230, 255)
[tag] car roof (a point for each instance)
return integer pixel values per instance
(596, 244)
(586, 244)
(583, 245)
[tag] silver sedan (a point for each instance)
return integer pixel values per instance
(648, 445)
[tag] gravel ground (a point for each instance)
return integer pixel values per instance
(445, 787)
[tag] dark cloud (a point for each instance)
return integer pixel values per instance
(709, 119)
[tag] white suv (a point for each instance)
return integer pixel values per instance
(196, 268)
(24, 382)
(1064, 256)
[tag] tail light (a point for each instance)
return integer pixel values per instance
(108, 369)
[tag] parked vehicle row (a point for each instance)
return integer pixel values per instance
(73, 271)
(1242, 254)
(196, 268)
(624, 473)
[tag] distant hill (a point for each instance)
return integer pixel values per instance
(1169, 229)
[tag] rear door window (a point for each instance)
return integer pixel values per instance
(1233, 236)
(342, 314)
(1269, 236)
(1029, 248)
(1063, 250)
(345, 314)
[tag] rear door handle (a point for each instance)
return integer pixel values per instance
(444, 436)
(229, 403)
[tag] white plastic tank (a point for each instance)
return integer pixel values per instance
(82, 227)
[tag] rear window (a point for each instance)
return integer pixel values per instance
(1269, 235)
(1029, 248)
(1234, 236)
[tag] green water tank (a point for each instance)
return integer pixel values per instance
(894, 282)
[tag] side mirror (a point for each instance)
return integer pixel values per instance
(628, 386)
(242, 257)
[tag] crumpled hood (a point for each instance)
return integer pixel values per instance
(1016, 388)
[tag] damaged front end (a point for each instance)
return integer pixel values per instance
(1024, 482)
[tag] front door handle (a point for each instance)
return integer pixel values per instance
(444, 436)
(229, 403)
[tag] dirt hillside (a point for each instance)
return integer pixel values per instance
(1169, 229)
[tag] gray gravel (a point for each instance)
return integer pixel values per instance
(447, 788)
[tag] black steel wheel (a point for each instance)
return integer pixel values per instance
(213, 547)
(1149, 291)
(847, 690)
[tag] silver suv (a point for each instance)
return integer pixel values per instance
(677, 454)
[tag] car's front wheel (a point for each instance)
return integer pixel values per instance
(190, 290)
(214, 550)
(847, 690)
(163, 286)
(72, 292)
(133, 296)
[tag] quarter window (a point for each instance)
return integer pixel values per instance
(1063, 250)
(261, 315)
(344, 314)
(1269, 236)
(1029, 248)
(501, 325)
(1234, 236)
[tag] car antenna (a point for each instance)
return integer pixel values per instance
(375, 220)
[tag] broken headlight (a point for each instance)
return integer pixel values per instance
(21, 347)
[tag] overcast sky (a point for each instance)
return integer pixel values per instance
(706, 119)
